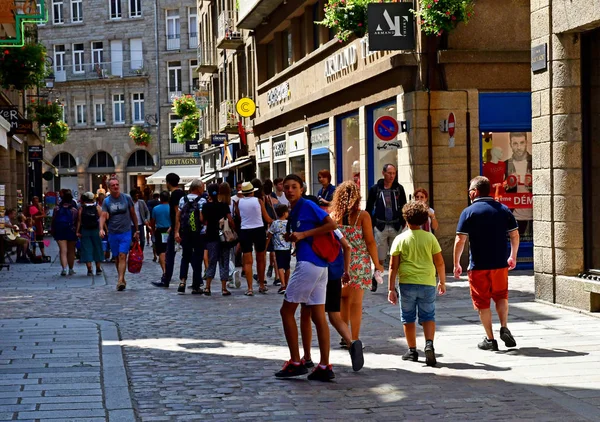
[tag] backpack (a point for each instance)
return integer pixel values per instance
(335, 270)
(64, 219)
(89, 217)
(190, 217)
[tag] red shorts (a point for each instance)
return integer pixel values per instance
(486, 285)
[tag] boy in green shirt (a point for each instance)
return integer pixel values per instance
(416, 254)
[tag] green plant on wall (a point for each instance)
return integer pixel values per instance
(347, 17)
(437, 17)
(140, 136)
(23, 67)
(184, 106)
(46, 112)
(56, 133)
(187, 129)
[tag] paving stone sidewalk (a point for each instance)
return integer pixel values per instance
(197, 357)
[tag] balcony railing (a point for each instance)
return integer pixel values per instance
(173, 41)
(103, 70)
(193, 40)
(227, 117)
(173, 92)
(228, 36)
(175, 148)
(207, 58)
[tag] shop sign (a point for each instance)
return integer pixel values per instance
(539, 59)
(218, 139)
(182, 161)
(278, 94)
(35, 153)
(192, 146)
(279, 149)
(391, 26)
(343, 60)
(364, 48)
(319, 138)
(18, 125)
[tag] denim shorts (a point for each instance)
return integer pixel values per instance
(120, 242)
(417, 296)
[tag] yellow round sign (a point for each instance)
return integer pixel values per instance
(245, 107)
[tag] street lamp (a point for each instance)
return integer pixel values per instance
(150, 120)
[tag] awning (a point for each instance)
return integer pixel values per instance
(239, 163)
(186, 174)
(205, 179)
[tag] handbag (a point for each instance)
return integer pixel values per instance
(135, 259)
(226, 235)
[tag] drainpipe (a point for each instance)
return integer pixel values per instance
(551, 122)
(158, 86)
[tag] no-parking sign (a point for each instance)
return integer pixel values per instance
(386, 128)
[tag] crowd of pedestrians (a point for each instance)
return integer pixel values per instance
(339, 251)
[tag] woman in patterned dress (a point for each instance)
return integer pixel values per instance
(357, 228)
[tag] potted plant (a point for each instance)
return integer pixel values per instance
(56, 132)
(439, 16)
(46, 113)
(185, 106)
(23, 67)
(139, 135)
(187, 129)
(347, 17)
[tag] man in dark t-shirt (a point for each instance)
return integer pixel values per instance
(172, 180)
(486, 223)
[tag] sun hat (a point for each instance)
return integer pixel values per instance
(88, 196)
(248, 187)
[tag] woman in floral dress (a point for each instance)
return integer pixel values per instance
(357, 228)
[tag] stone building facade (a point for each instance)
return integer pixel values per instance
(314, 114)
(118, 64)
(566, 111)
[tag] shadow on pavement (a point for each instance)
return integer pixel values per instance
(538, 352)
(469, 366)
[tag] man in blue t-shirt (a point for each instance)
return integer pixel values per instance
(308, 283)
(161, 224)
(486, 223)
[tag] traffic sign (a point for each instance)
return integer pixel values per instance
(245, 107)
(386, 128)
(451, 124)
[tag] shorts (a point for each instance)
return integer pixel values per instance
(271, 247)
(253, 237)
(384, 240)
(486, 285)
(308, 284)
(159, 245)
(120, 242)
(333, 298)
(415, 297)
(283, 259)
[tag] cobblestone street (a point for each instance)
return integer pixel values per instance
(64, 340)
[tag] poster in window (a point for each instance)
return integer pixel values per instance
(507, 163)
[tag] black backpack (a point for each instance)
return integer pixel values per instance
(89, 217)
(190, 217)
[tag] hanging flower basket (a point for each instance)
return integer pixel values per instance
(187, 129)
(185, 106)
(56, 133)
(347, 17)
(23, 67)
(46, 113)
(140, 136)
(439, 16)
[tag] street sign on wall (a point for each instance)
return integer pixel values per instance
(386, 128)
(391, 26)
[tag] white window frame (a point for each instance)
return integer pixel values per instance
(137, 100)
(115, 14)
(78, 59)
(77, 5)
(59, 63)
(97, 53)
(175, 21)
(137, 58)
(192, 29)
(173, 120)
(99, 111)
(57, 12)
(177, 78)
(80, 113)
(135, 8)
(118, 102)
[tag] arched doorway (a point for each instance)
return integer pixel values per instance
(140, 165)
(67, 173)
(100, 167)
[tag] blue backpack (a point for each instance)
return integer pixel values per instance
(64, 219)
(335, 271)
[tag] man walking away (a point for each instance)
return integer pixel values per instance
(119, 211)
(155, 201)
(172, 180)
(278, 192)
(486, 222)
(384, 205)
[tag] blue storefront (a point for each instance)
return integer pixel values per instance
(505, 140)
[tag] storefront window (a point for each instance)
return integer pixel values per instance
(319, 154)
(279, 170)
(507, 163)
(385, 152)
(348, 151)
(297, 166)
(263, 171)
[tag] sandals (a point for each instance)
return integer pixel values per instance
(263, 290)
(207, 292)
(225, 292)
(249, 293)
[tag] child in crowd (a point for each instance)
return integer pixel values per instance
(416, 254)
(283, 248)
